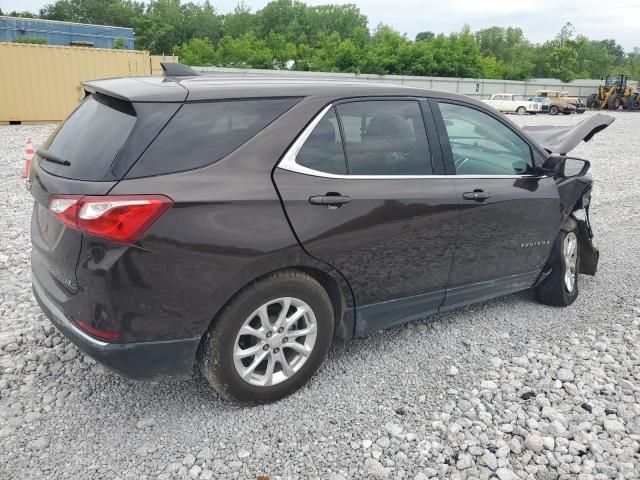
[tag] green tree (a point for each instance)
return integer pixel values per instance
(119, 43)
(246, 51)
(239, 22)
(196, 52)
(337, 38)
(632, 64)
(201, 21)
(511, 50)
(24, 14)
(425, 36)
(561, 61)
(119, 13)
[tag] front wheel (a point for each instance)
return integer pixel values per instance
(633, 102)
(554, 110)
(269, 340)
(560, 288)
(614, 102)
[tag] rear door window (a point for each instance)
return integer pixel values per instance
(322, 151)
(90, 138)
(205, 132)
(385, 137)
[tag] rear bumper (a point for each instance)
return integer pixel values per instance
(152, 360)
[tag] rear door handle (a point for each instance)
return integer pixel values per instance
(477, 195)
(329, 200)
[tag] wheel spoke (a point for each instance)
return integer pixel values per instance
(256, 361)
(247, 352)
(264, 317)
(282, 360)
(302, 332)
(298, 347)
(254, 332)
(295, 317)
(268, 374)
(286, 304)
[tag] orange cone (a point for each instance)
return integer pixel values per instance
(29, 151)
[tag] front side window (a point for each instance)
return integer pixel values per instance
(385, 137)
(481, 145)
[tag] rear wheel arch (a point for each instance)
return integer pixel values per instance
(337, 289)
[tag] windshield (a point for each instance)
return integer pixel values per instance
(612, 80)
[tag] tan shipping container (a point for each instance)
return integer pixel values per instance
(41, 83)
(156, 68)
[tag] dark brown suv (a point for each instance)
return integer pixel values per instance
(241, 223)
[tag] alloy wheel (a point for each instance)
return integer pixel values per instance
(275, 341)
(570, 253)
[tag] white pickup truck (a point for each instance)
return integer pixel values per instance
(510, 103)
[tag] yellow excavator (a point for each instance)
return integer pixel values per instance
(615, 93)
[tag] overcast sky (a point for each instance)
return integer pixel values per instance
(540, 19)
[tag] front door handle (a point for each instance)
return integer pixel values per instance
(477, 195)
(331, 199)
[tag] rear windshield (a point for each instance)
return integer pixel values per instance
(203, 133)
(90, 138)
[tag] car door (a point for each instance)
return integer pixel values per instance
(509, 215)
(498, 102)
(359, 189)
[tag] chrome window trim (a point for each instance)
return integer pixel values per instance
(288, 162)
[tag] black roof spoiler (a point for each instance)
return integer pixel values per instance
(177, 70)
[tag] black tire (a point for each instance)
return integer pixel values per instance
(553, 289)
(591, 101)
(597, 104)
(521, 111)
(554, 110)
(633, 102)
(614, 102)
(215, 356)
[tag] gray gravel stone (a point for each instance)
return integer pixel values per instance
(535, 443)
(146, 423)
(374, 467)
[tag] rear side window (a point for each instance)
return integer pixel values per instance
(90, 138)
(203, 133)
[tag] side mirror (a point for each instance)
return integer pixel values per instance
(565, 167)
(575, 167)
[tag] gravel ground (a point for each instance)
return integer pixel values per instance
(506, 389)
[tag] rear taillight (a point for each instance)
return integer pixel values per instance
(121, 218)
(65, 207)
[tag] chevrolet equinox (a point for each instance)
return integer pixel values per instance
(241, 223)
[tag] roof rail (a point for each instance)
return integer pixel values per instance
(177, 70)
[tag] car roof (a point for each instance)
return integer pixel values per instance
(222, 86)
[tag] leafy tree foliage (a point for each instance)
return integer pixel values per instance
(337, 38)
(119, 43)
